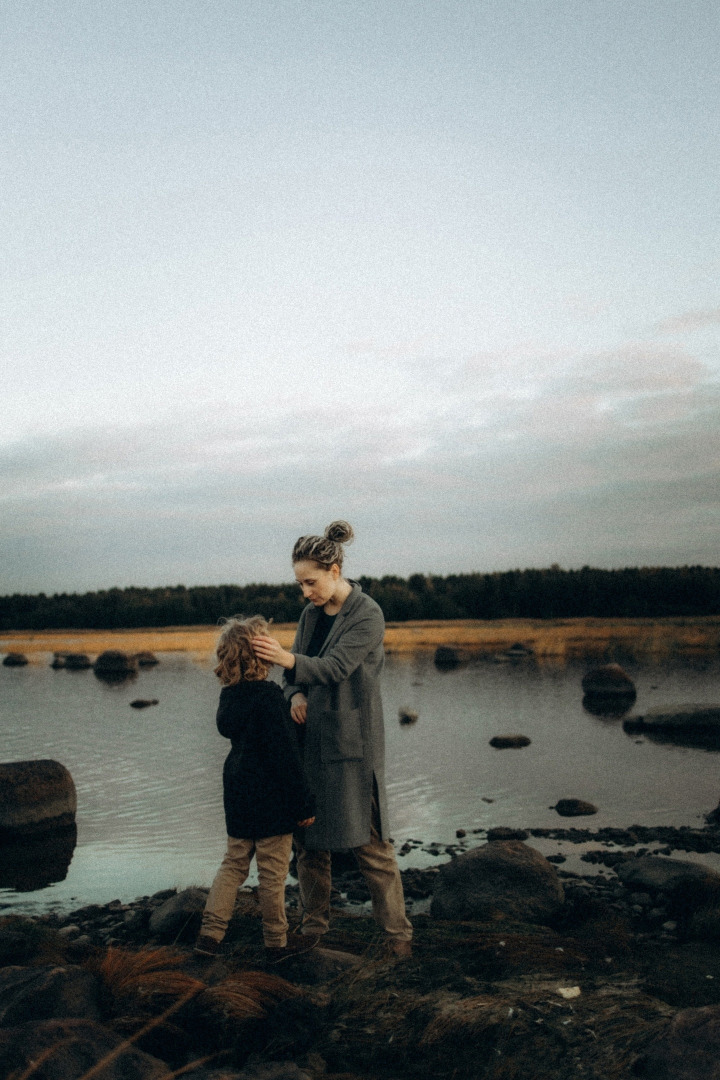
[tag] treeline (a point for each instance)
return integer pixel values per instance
(537, 594)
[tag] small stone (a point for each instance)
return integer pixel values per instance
(670, 925)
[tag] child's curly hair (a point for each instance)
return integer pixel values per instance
(236, 659)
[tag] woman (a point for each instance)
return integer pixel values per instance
(332, 680)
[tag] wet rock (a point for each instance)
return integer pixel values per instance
(115, 665)
(77, 661)
(574, 808)
(692, 724)
(45, 993)
(607, 680)
(68, 1049)
(178, 918)
(143, 703)
(35, 796)
(504, 742)
(447, 658)
(672, 877)
(503, 877)
(146, 658)
(15, 659)
(503, 832)
(34, 861)
(689, 1049)
(407, 716)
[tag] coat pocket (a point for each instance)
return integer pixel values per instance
(341, 736)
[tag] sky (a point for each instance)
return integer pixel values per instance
(447, 269)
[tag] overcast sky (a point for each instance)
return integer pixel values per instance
(449, 269)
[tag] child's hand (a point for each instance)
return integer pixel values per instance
(306, 823)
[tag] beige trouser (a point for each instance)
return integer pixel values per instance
(273, 858)
(379, 867)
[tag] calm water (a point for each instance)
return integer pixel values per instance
(149, 788)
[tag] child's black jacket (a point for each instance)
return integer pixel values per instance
(264, 788)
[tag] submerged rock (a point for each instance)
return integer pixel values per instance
(574, 808)
(143, 703)
(503, 877)
(114, 663)
(504, 742)
(35, 796)
(607, 680)
(15, 659)
(75, 661)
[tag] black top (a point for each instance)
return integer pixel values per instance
(323, 626)
(264, 788)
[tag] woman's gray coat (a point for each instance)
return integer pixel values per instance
(344, 744)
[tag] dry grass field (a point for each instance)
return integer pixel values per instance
(548, 638)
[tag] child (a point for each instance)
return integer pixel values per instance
(264, 790)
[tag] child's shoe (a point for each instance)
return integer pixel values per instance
(207, 946)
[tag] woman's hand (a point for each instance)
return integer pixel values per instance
(298, 708)
(306, 823)
(270, 650)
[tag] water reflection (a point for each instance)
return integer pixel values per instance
(31, 863)
(610, 705)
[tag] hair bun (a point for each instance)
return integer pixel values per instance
(340, 532)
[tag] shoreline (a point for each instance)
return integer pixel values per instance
(564, 639)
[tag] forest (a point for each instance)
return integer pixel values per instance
(647, 592)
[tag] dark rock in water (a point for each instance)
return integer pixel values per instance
(518, 651)
(713, 818)
(688, 1050)
(460, 833)
(30, 862)
(608, 679)
(447, 658)
(574, 808)
(143, 703)
(693, 725)
(504, 877)
(658, 874)
(502, 832)
(15, 659)
(77, 661)
(114, 664)
(179, 917)
(45, 993)
(146, 659)
(504, 742)
(407, 716)
(35, 796)
(68, 1049)
(610, 705)
(58, 660)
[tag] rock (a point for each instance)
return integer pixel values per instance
(460, 833)
(608, 679)
(678, 723)
(35, 860)
(113, 664)
(504, 742)
(15, 659)
(506, 877)
(518, 651)
(654, 873)
(77, 661)
(502, 832)
(407, 716)
(447, 658)
(58, 660)
(713, 818)
(68, 1049)
(45, 993)
(143, 703)
(574, 808)
(178, 918)
(146, 659)
(35, 796)
(316, 966)
(688, 1050)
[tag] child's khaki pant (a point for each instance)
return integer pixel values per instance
(273, 859)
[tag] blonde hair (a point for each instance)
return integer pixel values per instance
(324, 550)
(236, 660)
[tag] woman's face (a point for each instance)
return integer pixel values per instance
(318, 585)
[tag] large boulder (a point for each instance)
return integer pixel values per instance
(657, 874)
(114, 664)
(46, 993)
(503, 877)
(607, 680)
(678, 722)
(70, 1049)
(688, 1050)
(179, 917)
(35, 796)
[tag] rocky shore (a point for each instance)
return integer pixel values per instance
(610, 974)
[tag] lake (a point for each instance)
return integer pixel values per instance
(149, 781)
